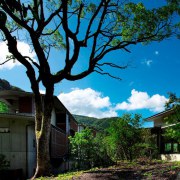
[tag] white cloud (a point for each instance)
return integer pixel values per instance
(156, 52)
(141, 100)
(147, 62)
(42, 91)
(23, 48)
(88, 102)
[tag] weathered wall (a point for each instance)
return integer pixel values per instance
(13, 144)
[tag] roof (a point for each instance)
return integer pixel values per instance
(10, 93)
(160, 115)
(13, 93)
(17, 115)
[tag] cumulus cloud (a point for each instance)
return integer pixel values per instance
(141, 100)
(88, 102)
(23, 48)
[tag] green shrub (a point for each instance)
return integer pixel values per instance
(4, 164)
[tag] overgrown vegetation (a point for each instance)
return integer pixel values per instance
(4, 163)
(173, 120)
(88, 151)
(123, 140)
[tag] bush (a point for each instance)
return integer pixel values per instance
(4, 164)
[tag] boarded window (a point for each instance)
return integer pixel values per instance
(25, 105)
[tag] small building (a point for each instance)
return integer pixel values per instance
(169, 148)
(82, 127)
(17, 131)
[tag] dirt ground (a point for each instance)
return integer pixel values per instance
(136, 171)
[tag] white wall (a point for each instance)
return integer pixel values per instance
(170, 157)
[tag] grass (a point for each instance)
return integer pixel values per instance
(64, 176)
(149, 170)
(67, 176)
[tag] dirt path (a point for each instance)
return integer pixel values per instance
(165, 171)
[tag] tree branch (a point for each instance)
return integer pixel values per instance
(21, 22)
(112, 65)
(79, 16)
(12, 46)
(6, 61)
(108, 74)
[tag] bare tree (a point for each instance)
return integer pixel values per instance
(102, 27)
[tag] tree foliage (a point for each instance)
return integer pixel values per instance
(123, 140)
(4, 163)
(88, 151)
(101, 27)
(147, 146)
(173, 120)
(3, 107)
(124, 134)
(82, 148)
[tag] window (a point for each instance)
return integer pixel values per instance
(175, 148)
(172, 147)
(4, 130)
(168, 147)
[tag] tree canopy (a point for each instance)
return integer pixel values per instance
(173, 120)
(73, 26)
(103, 26)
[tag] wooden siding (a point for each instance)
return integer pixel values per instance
(59, 144)
(73, 125)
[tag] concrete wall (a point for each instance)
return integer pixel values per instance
(170, 157)
(31, 151)
(53, 117)
(13, 144)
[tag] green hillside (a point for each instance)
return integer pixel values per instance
(5, 85)
(100, 124)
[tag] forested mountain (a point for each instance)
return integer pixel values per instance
(101, 124)
(5, 85)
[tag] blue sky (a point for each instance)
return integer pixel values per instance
(153, 71)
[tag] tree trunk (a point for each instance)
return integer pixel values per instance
(42, 130)
(43, 167)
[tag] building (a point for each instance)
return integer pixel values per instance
(82, 127)
(17, 134)
(169, 149)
